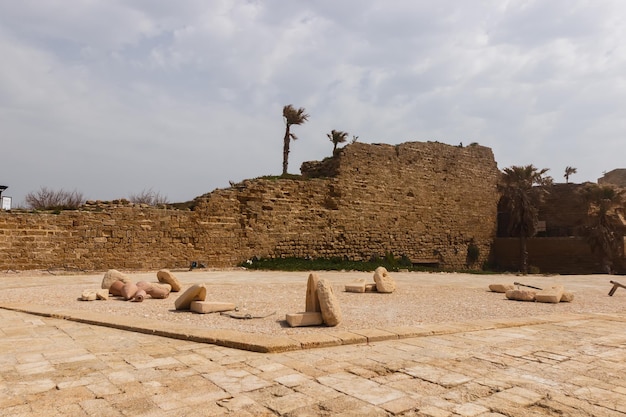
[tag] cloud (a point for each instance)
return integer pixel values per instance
(113, 97)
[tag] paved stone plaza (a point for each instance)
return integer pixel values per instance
(558, 365)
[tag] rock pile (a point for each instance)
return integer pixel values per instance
(383, 283)
(554, 294)
(118, 284)
(321, 305)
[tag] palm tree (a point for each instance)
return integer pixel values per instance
(291, 116)
(517, 187)
(337, 137)
(569, 171)
(601, 230)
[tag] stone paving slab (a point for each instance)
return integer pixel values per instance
(60, 362)
(571, 366)
(273, 344)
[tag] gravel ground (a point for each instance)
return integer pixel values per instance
(420, 297)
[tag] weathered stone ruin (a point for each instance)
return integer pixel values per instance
(383, 283)
(426, 201)
(554, 294)
(321, 305)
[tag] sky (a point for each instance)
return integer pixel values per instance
(114, 98)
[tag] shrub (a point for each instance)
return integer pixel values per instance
(47, 199)
(148, 197)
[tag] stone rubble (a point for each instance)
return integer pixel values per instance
(331, 311)
(383, 283)
(113, 275)
(165, 276)
(321, 305)
(554, 294)
(196, 292)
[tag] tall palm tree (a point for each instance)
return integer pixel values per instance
(521, 198)
(601, 230)
(569, 171)
(292, 116)
(337, 137)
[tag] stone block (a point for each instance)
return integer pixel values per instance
(102, 294)
(167, 277)
(88, 295)
(370, 287)
(310, 318)
(567, 297)
(205, 307)
(521, 295)
(113, 275)
(550, 295)
(384, 282)
(331, 311)
(501, 288)
(356, 287)
(312, 301)
(196, 292)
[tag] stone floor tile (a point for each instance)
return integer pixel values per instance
(293, 379)
(400, 405)
(103, 388)
(470, 410)
(236, 381)
(286, 404)
(360, 388)
(316, 390)
(99, 407)
(431, 411)
(438, 376)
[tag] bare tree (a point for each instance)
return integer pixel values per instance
(48, 199)
(148, 197)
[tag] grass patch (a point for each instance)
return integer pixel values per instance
(333, 264)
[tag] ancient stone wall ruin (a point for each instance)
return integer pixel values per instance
(426, 201)
(615, 177)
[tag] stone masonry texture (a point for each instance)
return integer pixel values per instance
(427, 201)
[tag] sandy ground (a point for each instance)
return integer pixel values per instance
(420, 297)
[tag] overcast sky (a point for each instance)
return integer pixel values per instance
(115, 97)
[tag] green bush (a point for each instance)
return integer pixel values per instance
(331, 264)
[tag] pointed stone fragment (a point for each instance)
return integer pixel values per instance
(331, 311)
(312, 300)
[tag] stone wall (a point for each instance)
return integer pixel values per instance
(427, 201)
(615, 177)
